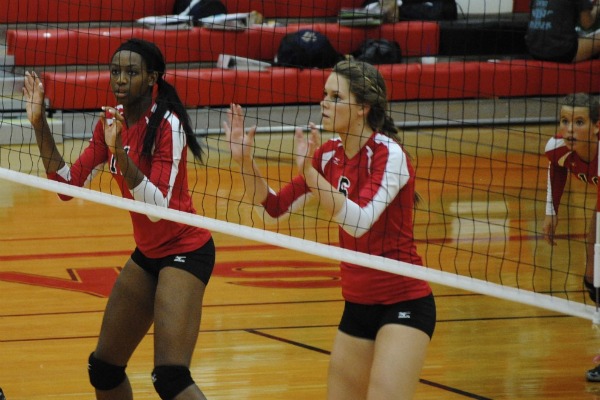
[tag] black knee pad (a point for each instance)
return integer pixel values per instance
(170, 380)
(104, 376)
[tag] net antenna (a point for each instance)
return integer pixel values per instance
(597, 244)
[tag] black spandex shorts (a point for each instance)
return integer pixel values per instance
(565, 58)
(199, 263)
(364, 321)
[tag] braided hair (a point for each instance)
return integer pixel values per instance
(368, 86)
(167, 99)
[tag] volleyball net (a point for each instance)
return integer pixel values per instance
(478, 148)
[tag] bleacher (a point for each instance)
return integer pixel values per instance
(76, 12)
(52, 37)
(94, 46)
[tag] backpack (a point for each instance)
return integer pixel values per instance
(379, 51)
(306, 49)
(199, 8)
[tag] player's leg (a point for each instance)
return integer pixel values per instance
(592, 375)
(588, 278)
(349, 367)
(398, 359)
(588, 46)
(127, 318)
(177, 314)
(178, 310)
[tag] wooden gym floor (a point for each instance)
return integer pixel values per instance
(270, 314)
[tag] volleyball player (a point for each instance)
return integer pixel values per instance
(574, 150)
(164, 280)
(366, 182)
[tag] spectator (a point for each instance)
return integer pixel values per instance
(552, 34)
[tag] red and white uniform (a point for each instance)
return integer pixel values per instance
(165, 184)
(562, 162)
(379, 185)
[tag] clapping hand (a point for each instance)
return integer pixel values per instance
(33, 93)
(112, 120)
(305, 147)
(241, 144)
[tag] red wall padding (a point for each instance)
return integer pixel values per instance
(521, 6)
(64, 11)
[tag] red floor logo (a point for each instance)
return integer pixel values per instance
(280, 274)
(94, 281)
(267, 274)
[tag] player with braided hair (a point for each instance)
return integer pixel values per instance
(365, 180)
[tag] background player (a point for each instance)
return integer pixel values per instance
(574, 150)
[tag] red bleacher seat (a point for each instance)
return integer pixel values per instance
(93, 46)
(66, 46)
(508, 79)
(538, 78)
(567, 78)
(202, 87)
(77, 90)
(206, 87)
(61, 11)
(521, 6)
(449, 80)
(402, 80)
(218, 87)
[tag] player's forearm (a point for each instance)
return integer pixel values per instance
(131, 173)
(256, 188)
(329, 198)
(51, 157)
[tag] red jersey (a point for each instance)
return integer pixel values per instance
(562, 162)
(165, 169)
(379, 185)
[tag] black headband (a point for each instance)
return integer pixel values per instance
(149, 52)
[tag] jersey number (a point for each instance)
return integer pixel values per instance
(583, 177)
(113, 160)
(343, 185)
